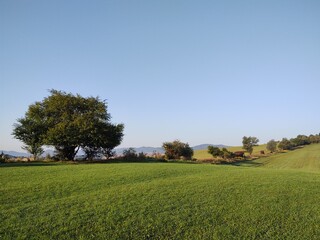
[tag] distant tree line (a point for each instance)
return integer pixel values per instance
(68, 122)
(249, 142)
(300, 140)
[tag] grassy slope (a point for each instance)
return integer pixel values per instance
(203, 154)
(157, 201)
(307, 159)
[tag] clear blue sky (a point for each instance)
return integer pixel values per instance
(198, 71)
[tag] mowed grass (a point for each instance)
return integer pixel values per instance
(306, 159)
(157, 201)
(203, 154)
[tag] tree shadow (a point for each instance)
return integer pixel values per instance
(245, 163)
(27, 164)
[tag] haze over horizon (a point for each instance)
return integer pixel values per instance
(199, 71)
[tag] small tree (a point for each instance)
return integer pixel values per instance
(177, 149)
(31, 132)
(227, 154)
(129, 153)
(2, 157)
(272, 145)
(248, 143)
(215, 151)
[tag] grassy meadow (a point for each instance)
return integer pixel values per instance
(305, 159)
(275, 197)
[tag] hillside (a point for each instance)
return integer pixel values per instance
(306, 158)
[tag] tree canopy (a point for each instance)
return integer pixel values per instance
(69, 122)
(177, 149)
(217, 152)
(272, 145)
(248, 143)
(285, 144)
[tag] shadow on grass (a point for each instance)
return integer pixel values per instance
(121, 161)
(27, 164)
(81, 162)
(245, 163)
(78, 162)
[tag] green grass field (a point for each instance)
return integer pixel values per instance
(306, 159)
(269, 198)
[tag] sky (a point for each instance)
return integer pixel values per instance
(198, 71)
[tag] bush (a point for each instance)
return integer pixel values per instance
(130, 153)
(300, 140)
(272, 146)
(3, 157)
(215, 151)
(177, 149)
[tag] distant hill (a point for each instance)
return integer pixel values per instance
(15, 154)
(22, 154)
(205, 146)
(142, 149)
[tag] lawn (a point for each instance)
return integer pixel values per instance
(306, 159)
(160, 201)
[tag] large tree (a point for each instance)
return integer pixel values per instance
(248, 143)
(70, 122)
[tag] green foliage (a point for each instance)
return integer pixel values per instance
(285, 144)
(3, 157)
(129, 153)
(215, 151)
(314, 138)
(248, 143)
(69, 122)
(30, 130)
(272, 145)
(300, 140)
(177, 150)
(227, 154)
(203, 154)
